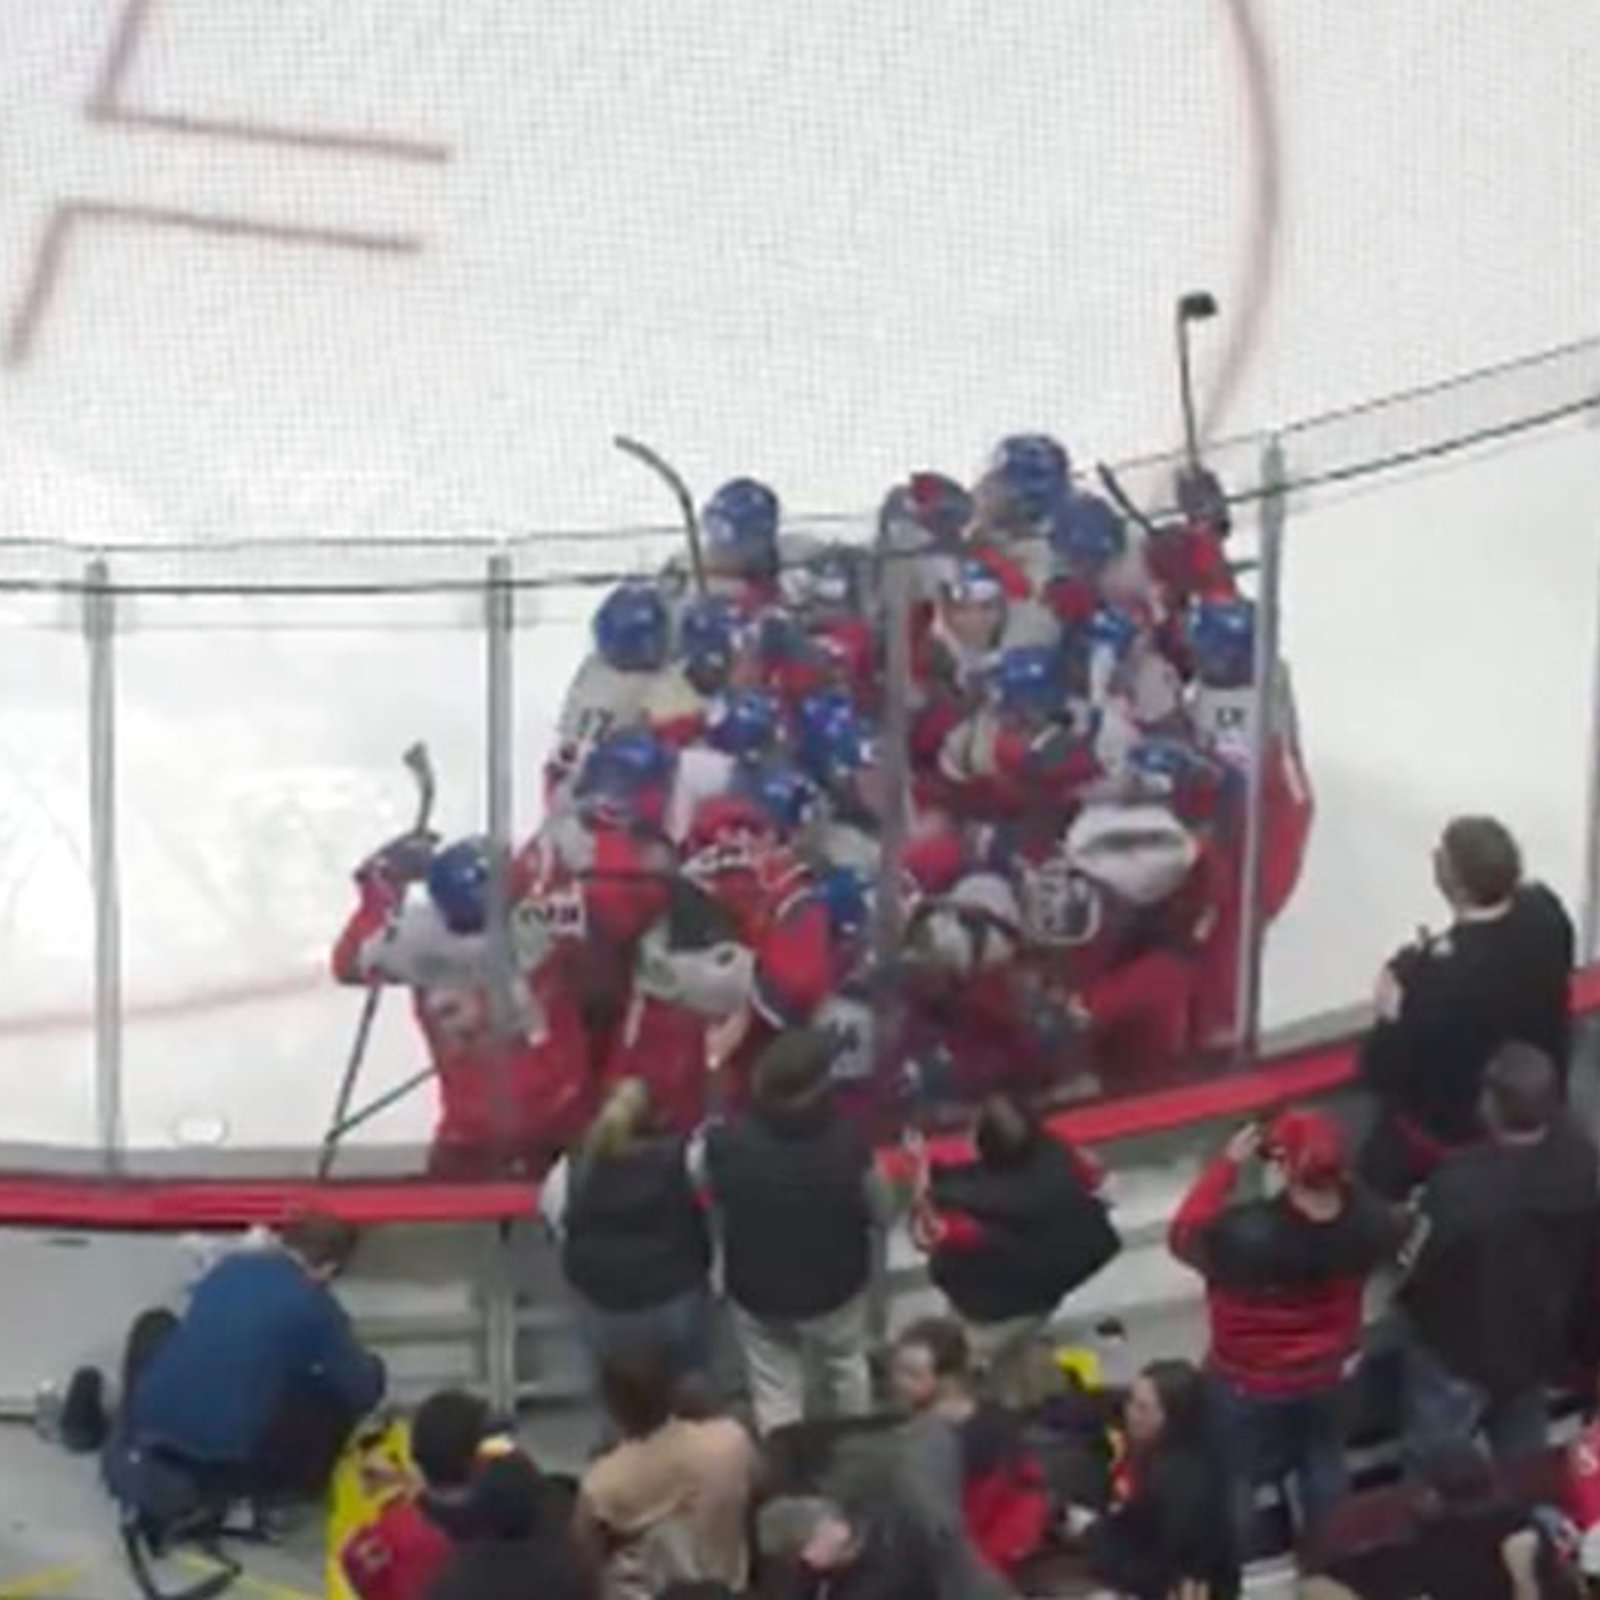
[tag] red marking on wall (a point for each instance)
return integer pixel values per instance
(189, 1006)
(110, 106)
(70, 216)
(109, 103)
(1257, 272)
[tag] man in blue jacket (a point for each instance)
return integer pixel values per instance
(261, 1382)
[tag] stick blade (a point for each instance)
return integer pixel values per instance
(1197, 306)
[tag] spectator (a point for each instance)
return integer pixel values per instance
(635, 1243)
(1010, 1235)
(1445, 1004)
(971, 1490)
(1284, 1285)
(796, 1196)
(516, 1551)
(259, 1385)
(1501, 1280)
(671, 1501)
(399, 1553)
(1171, 1526)
(819, 1550)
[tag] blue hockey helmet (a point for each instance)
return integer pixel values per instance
(1222, 636)
(843, 892)
(631, 628)
(709, 633)
(625, 766)
(740, 524)
(458, 884)
(1030, 678)
(1032, 471)
(783, 792)
(1086, 533)
(744, 723)
(832, 736)
(1114, 627)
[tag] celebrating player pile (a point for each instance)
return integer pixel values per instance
(1082, 716)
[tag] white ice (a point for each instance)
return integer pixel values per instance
(823, 243)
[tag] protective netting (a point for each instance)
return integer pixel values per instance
(1436, 614)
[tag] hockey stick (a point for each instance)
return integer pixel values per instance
(1198, 306)
(420, 765)
(673, 479)
(1124, 501)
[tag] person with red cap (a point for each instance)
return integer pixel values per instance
(1284, 1280)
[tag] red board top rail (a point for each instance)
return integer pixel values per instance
(165, 1205)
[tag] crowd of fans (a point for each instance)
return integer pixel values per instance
(1067, 749)
(975, 1460)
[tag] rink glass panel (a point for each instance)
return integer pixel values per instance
(47, 1087)
(260, 741)
(1440, 624)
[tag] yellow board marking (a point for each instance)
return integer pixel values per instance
(46, 1581)
(246, 1582)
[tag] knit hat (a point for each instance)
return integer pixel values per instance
(1310, 1146)
(793, 1071)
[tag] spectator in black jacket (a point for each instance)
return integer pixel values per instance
(797, 1200)
(1503, 1268)
(1284, 1280)
(1171, 1526)
(1446, 1003)
(635, 1240)
(1010, 1235)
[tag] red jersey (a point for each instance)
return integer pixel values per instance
(397, 1555)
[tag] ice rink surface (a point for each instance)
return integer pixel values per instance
(397, 270)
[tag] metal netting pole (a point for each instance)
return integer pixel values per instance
(1589, 908)
(99, 631)
(499, 1307)
(1267, 676)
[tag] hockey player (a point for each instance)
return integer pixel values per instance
(952, 660)
(824, 637)
(976, 1023)
(632, 639)
(512, 1070)
(743, 859)
(713, 645)
(739, 524)
(1028, 475)
(1029, 751)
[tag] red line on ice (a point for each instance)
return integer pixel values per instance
(109, 103)
(50, 254)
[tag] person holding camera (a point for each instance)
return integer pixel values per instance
(1284, 1276)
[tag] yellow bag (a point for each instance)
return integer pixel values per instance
(372, 1470)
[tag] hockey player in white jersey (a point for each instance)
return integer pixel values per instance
(632, 641)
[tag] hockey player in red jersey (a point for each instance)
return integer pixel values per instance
(1026, 752)
(512, 1070)
(976, 1020)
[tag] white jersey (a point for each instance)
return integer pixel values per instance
(1226, 719)
(416, 949)
(599, 701)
